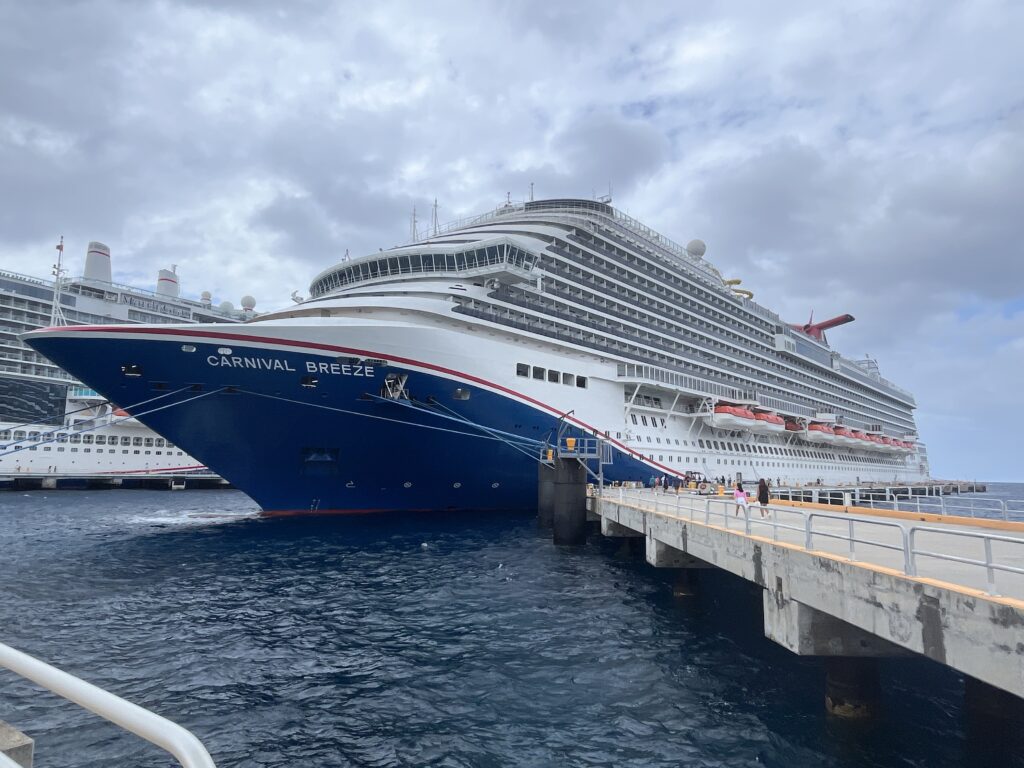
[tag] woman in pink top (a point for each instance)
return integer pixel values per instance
(740, 496)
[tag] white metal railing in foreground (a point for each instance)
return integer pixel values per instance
(724, 512)
(169, 736)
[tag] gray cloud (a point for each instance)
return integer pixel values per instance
(835, 160)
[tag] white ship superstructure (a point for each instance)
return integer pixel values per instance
(424, 376)
(687, 348)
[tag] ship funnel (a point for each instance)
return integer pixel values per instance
(167, 282)
(817, 330)
(97, 263)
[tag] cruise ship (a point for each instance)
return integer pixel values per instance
(431, 375)
(50, 425)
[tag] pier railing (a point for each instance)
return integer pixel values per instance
(809, 526)
(169, 736)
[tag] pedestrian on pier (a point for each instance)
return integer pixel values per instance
(762, 496)
(741, 497)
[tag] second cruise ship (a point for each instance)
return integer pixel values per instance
(427, 376)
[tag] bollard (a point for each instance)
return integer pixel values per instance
(570, 503)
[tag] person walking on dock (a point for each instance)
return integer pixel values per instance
(741, 497)
(762, 496)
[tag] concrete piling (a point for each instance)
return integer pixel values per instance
(569, 515)
(852, 689)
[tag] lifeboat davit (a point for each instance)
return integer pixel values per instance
(819, 433)
(731, 417)
(768, 422)
(792, 426)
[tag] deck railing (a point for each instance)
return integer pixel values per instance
(171, 737)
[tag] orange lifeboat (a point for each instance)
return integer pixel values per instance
(731, 417)
(768, 422)
(819, 433)
(845, 436)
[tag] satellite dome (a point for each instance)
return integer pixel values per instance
(248, 302)
(696, 248)
(206, 297)
(226, 306)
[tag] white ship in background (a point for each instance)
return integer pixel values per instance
(51, 425)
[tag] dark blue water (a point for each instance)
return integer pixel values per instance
(416, 640)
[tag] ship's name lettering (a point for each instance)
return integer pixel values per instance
(277, 364)
(258, 363)
(339, 369)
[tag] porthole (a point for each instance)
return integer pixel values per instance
(495, 485)
(223, 350)
(407, 484)
(456, 485)
(187, 348)
(132, 370)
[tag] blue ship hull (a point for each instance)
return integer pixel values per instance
(297, 446)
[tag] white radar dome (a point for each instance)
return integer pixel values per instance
(206, 297)
(248, 302)
(226, 306)
(696, 248)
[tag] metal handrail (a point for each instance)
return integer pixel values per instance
(990, 566)
(171, 737)
(907, 533)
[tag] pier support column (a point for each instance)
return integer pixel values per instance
(852, 690)
(851, 667)
(662, 555)
(570, 502)
(16, 745)
(545, 495)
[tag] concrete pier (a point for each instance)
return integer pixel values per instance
(853, 585)
(16, 745)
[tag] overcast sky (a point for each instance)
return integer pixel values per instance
(864, 158)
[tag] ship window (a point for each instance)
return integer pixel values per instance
(581, 382)
(538, 373)
(34, 437)
(75, 438)
(568, 379)
(61, 438)
(87, 439)
(125, 440)
(522, 369)
(223, 350)
(136, 441)
(149, 442)
(146, 452)
(159, 442)
(461, 394)
(101, 439)
(633, 416)
(132, 370)
(644, 420)
(554, 377)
